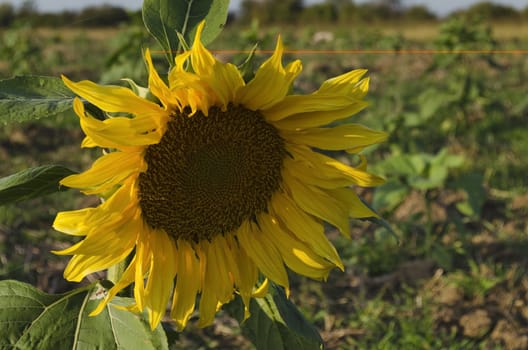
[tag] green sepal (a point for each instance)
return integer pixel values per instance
(247, 68)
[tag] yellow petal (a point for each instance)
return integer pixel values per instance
(224, 79)
(297, 255)
(83, 265)
(73, 222)
(246, 273)
(262, 290)
(310, 119)
(208, 307)
(120, 209)
(263, 252)
(157, 86)
(318, 203)
(144, 261)
(271, 82)
(329, 168)
(337, 98)
(341, 137)
(106, 172)
(295, 104)
(324, 177)
(346, 84)
(356, 208)
(126, 280)
(187, 284)
(217, 273)
(115, 99)
(188, 88)
(116, 237)
(161, 275)
(118, 132)
(305, 227)
(208, 299)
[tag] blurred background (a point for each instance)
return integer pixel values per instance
(448, 82)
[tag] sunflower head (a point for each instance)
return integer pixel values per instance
(218, 183)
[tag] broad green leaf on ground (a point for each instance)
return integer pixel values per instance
(389, 195)
(471, 183)
(32, 183)
(165, 18)
(32, 319)
(276, 323)
(26, 98)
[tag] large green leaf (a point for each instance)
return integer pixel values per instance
(165, 18)
(32, 183)
(32, 319)
(26, 98)
(275, 323)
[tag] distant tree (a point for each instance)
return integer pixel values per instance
(104, 15)
(419, 13)
(320, 13)
(377, 11)
(394, 5)
(490, 11)
(7, 14)
(272, 11)
(348, 13)
(27, 11)
(28, 7)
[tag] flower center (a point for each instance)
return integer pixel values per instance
(210, 173)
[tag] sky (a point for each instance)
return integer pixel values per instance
(441, 8)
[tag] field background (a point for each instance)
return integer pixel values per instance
(456, 192)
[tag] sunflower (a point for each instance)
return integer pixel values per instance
(216, 183)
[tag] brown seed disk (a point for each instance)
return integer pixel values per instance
(210, 173)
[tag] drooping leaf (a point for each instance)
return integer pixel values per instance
(379, 220)
(165, 18)
(276, 323)
(32, 319)
(26, 98)
(32, 183)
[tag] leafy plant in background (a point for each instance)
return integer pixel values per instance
(21, 49)
(221, 266)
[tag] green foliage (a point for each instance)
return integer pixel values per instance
(454, 164)
(276, 323)
(271, 11)
(165, 19)
(125, 58)
(32, 183)
(7, 14)
(102, 16)
(487, 10)
(46, 321)
(419, 13)
(412, 171)
(22, 50)
(480, 279)
(32, 97)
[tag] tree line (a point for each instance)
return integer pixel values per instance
(266, 12)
